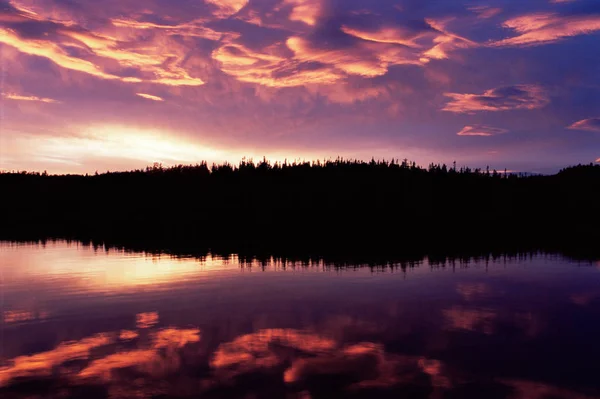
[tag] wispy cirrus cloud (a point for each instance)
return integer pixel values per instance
(429, 40)
(498, 99)
(227, 8)
(485, 11)
(75, 48)
(543, 28)
(309, 64)
(19, 97)
(590, 125)
(390, 35)
(194, 28)
(52, 51)
(480, 130)
(271, 68)
(445, 41)
(150, 97)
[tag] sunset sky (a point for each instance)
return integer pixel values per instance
(119, 84)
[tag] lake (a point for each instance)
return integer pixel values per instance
(89, 322)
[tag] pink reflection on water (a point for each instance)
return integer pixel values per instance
(154, 356)
(41, 364)
(470, 319)
(146, 320)
(310, 355)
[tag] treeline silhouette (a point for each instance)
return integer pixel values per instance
(381, 261)
(338, 206)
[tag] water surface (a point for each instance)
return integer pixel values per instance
(79, 321)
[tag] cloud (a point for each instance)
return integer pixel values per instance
(485, 12)
(445, 41)
(52, 51)
(350, 61)
(193, 28)
(227, 8)
(426, 41)
(269, 68)
(392, 35)
(590, 125)
(306, 11)
(161, 64)
(18, 97)
(543, 28)
(499, 99)
(73, 47)
(480, 130)
(347, 93)
(150, 97)
(326, 57)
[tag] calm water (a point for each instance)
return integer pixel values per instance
(94, 324)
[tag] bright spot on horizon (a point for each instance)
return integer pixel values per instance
(109, 145)
(136, 144)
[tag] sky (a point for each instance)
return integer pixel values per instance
(121, 84)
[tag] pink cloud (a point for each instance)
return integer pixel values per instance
(498, 99)
(227, 8)
(445, 41)
(485, 12)
(480, 130)
(434, 43)
(19, 97)
(542, 28)
(394, 35)
(107, 51)
(269, 67)
(307, 11)
(150, 97)
(590, 125)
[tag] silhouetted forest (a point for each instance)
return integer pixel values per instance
(313, 208)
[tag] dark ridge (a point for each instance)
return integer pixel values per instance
(316, 210)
